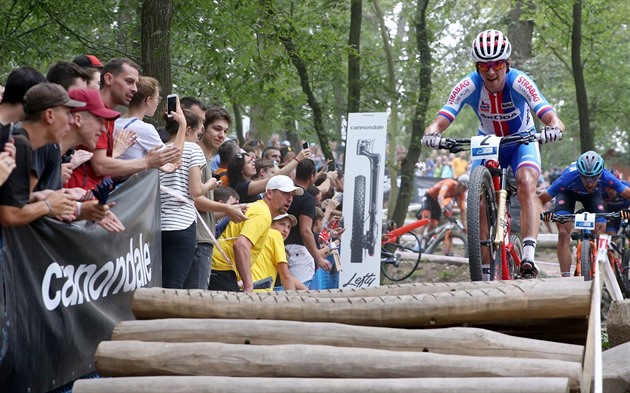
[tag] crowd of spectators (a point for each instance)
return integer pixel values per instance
(272, 208)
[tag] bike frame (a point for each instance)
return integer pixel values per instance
(391, 236)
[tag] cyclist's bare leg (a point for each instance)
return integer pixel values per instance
(526, 180)
(564, 247)
(433, 223)
(448, 243)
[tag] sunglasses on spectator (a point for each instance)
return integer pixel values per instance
(241, 156)
(495, 65)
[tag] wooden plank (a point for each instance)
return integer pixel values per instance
(553, 299)
(200, 384)
(136, 358)
(456, 341)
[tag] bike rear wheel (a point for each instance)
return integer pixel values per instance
(585, 259)
(357, 244)
(511, 262)
(460, 245)
(481, 203)
(400, 259)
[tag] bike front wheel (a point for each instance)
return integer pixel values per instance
(585, 259)
(400, 259)
(481, 218)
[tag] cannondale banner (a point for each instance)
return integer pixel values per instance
(65, 286)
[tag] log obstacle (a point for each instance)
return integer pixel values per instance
(201, 384)
(520, 301)
(352, 340)
(453, 341)
(136, 358)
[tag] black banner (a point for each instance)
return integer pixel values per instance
(65, 286)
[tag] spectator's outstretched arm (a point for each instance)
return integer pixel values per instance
(285, 276)
(117, 168)
(55, 205)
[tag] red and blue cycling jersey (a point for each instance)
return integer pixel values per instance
(570, 181)
(504, 113)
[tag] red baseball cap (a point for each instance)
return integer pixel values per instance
(93, 103)
(90, 61)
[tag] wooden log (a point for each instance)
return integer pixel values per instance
(136, 358)
(456, 341)
(200, 384)
(557, 299)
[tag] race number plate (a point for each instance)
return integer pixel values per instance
(585, 221)
(485, 147)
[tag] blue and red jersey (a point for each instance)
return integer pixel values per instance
(570, 180)
(503, 113)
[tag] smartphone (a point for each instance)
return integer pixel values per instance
(305, 145)
(171, 104)
(6, 137)
(332, 166)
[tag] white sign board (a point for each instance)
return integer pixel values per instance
(364, 170)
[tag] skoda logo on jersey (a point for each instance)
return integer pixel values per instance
(484, 151)
(484, 106)
(500, 116)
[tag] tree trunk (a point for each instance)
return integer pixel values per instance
(201, 384)
(520, 32)
(392, 125)
(354, 56)
(238, 123)
(408, 165)
(586, 134)
(284, 34)
(449, 341)
(129, 358)
(557, 299)
(156, 44)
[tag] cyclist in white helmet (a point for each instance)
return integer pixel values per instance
(503, 99)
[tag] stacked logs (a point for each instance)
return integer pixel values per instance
(414, 337)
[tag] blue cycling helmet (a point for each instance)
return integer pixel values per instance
(590, 164)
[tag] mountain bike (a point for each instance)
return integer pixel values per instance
(432, 242)
(586, 255)
(399, 246)
(494, 253)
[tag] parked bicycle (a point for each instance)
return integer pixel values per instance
(402, 248)
(586, 255)
(490, 241)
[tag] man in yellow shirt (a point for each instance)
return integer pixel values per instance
(272, 260)
(243, 242)
(459, 165)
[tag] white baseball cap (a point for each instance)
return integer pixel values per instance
(287, 215)
(284, 184)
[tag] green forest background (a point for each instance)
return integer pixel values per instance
(298, 67)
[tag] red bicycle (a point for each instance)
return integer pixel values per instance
(494, 253)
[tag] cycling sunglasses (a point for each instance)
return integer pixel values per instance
(590, 179)
(495, 65)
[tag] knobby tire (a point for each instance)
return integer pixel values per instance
(404, 252)
(480, 188)
(585, 259)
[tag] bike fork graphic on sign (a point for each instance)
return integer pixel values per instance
(362, 239)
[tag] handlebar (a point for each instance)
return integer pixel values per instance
(564, 218)
(455, 145)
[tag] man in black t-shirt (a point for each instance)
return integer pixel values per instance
(302, 253)
(46, 119)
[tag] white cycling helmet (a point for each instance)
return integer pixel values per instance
(491, 45)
